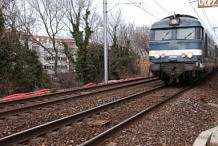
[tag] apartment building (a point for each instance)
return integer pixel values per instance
(44, 48)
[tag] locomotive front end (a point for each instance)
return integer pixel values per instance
(175, 48)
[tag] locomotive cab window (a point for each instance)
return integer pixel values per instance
(163, 34)
(186, 33)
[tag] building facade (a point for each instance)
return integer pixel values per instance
(45, 49)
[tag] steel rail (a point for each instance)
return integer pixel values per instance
(16, 111)
(99, 138)
(74, 91)
(42, 129)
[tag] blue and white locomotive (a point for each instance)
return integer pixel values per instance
(180, 49)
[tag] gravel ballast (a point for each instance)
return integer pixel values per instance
(178, 123)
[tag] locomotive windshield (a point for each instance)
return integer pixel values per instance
(163, 34)
(185, 33)
(176, 34)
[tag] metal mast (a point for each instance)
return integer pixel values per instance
(105, 41)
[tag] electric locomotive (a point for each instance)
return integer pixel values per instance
(180, 49)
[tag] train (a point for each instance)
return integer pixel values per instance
(181, 49)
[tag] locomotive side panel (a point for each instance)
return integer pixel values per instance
(216, 57)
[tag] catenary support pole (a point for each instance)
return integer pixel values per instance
(105, 41)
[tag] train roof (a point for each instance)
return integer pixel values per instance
(184, 21)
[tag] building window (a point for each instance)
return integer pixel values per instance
(48, 58)
(64, 58)
(35, 48)
(47, 67)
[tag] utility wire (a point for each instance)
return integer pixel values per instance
(116, 4)
(208, 21)
(150, 13)
(133, 4)
(206, 17)
(155, 11)
(196, 13)
(161, 7)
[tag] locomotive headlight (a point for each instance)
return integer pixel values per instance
(183, 55)
(156, 55)
(189, 55)
(162, 55)
(174, 21)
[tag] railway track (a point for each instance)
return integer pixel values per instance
(14, 107)
(22, 101)
(48, 134)
(36, 115)
(66, 121)
(125, 123)
(107, 136)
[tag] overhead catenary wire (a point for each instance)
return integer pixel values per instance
(148, 7)
(162, 7)
(116, 4)
(208, 20)
(215, 32)
(150, 13)
(205, 16)
(199, 17)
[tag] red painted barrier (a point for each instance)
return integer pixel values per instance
(23, 95)
(89, 84)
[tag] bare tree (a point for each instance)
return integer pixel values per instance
(137, 36)
(28, 18)
(48, 14)
(10, 14)
(127, 35)
(140, 38)
(54, 17)
(96, 24)
(20, 69)
(78, 15)
(139, 43)
(114, 26)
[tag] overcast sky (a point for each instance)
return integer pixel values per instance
(146, 12)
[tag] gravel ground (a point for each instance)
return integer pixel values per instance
(175, 124)
(37, 117)
(88, 128)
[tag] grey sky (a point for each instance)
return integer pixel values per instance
(150, 11)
